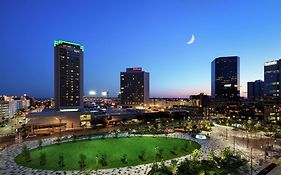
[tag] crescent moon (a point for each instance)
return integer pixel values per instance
(191, 41)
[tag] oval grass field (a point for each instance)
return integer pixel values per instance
(117, 152)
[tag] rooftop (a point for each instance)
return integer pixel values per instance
(58, 42)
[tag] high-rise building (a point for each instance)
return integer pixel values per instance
(68, 75)
(226, 79)
(272, 90)
(272, 79)
(255, 91)
(134, 87)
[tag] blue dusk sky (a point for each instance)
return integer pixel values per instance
(151, 34)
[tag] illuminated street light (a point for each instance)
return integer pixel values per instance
(92, 93)
(104, 93)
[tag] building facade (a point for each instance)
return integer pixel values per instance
(134, 87)
(225, 85)
(201, 100)
(255, 91)
(272, 90)
(4, 109)
(68, 75)
(169, 102)
(9, 108)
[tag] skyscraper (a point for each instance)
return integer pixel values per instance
(255, 91)
(68, 75)
(134, 87)
(272, 79)
(272, 90)
(226, 79)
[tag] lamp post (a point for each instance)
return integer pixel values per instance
(248, 139)
(226, 133)
(104, 94)
(251, 161)
(92, 93)
(234, 144)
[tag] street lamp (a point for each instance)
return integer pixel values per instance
(92, 93)
(104, 93)
(248, 141)
(234, 144)
(251, 160)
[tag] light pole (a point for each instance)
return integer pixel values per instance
(92, 93)
(226, 133)
(248, 139)
(234, 144)
(251, 161)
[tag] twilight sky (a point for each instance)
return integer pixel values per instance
(126, 33)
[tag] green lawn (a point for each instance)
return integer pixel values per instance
(113, 148)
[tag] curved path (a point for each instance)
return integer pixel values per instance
(8, 165)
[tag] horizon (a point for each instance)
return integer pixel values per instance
(153, 35)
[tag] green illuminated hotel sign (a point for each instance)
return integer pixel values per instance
(58, 42)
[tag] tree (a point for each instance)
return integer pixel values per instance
(226, 153)
(174, 150)
(142, 156)
(250, 123)
(186, 147)
(87, 172)
(89, 136)
(116, 134)
(124, 159)
(59, 140)
(173, 167)
(74, 138)
(61, 161)
(159, 153)
(257, 126)
(26, 153)
(103, 160)
(196, 155)
(159, 170)
(40, 142)
(82, 161)
(42, 159)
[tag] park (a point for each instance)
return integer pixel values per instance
(105, 153)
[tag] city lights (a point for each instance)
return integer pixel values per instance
(92, 93)
(175, 106)
(104, 93)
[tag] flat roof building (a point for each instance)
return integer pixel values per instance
(272, 90)
(68, 75)
(225, 85)
(255, 91)
(134, 87)
(272, 80)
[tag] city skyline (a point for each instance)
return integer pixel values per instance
(139, 34)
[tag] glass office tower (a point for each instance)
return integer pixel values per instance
(272, 90)
(255, 91)
(226, 79)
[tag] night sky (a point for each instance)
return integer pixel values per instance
(151, 34)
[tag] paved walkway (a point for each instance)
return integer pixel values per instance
(9, 167)
(238, 139)
(217, 143)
